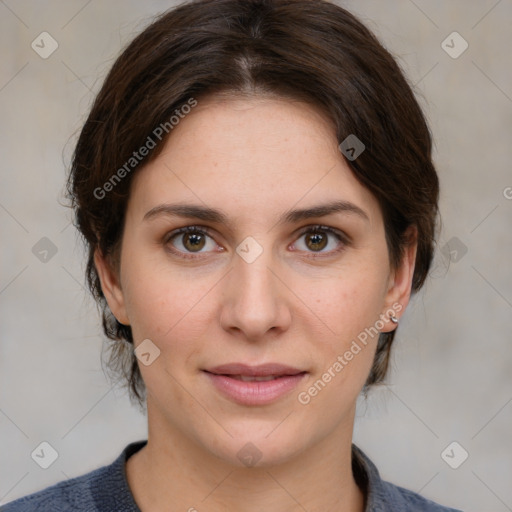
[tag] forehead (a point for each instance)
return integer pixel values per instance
(252, 155)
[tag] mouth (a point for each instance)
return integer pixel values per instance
(249, 378)
(254, 385)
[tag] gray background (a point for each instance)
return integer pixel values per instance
(450, 379)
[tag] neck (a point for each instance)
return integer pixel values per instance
(172, 469)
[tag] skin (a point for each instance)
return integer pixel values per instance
(254, 158)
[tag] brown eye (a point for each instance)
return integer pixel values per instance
(190, 240)
(316, 241)
(193, 241)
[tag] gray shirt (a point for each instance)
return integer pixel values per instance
(106, 490)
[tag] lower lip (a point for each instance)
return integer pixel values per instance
(255, 392)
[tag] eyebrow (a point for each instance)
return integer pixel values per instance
(205, 213)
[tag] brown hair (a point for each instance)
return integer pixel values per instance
(311, 50)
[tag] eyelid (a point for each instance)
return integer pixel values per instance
(320, 227)
(342, 237)
(187, 229)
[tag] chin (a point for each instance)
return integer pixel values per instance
(254, 446)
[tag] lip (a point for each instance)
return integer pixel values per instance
(261, 370)
(224, 378)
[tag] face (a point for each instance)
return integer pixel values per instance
(284, 262)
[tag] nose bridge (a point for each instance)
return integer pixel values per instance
(255, 302)
(251, 269)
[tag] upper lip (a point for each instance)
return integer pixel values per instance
(261, 370)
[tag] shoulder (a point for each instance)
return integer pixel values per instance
(104, 489)
(395, 496)
(73, 494)
(382, 496)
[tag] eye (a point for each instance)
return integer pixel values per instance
(189, 240)
(317, 238)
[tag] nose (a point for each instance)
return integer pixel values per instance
(256, 302)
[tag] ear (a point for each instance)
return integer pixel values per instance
(400, 280)
(111, 286)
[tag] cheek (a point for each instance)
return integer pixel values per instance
(165, 306)
(344, 354)
(349, 307)
(174, 314)
(350, 303)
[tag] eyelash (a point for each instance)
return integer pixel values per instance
(345, 241)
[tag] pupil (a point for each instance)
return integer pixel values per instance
(318, 241)
(194, 240)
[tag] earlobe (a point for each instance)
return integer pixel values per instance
(111, 287)
(400, 283)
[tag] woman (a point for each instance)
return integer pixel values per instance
(255, 187)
